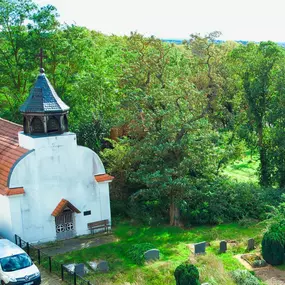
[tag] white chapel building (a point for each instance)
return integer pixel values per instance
(50, 187)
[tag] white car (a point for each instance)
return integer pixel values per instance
(16, 267)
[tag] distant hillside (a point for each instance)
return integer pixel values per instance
(180, 41)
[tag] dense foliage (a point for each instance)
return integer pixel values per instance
(186, 274)
(178, 115)
(214, 202)
(273, 244)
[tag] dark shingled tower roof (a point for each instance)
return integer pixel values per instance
(43, 98)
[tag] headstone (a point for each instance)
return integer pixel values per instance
(93, 265)
(200, 248)
(250, 244)
(223, 246)
(151, 254)
(103, 266)
(74, 267)
(100, 265)
(79, 269)
(70, 267)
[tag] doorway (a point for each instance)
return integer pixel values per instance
(65, 225)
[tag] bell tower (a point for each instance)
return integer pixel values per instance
(44, 112)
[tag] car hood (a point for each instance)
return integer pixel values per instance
(22, 272)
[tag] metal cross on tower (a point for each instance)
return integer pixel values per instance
(41, 56)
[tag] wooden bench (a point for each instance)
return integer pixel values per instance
(104, 224)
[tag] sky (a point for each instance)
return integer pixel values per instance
(252, 20)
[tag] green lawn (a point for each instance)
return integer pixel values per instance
(172, 243)
(244, 169)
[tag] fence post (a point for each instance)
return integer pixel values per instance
(28, 248)
(74, 275)
(49, 261)
(62, 272)
(16, 239)
(20, 243)
(39, 256)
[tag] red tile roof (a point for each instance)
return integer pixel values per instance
(103, 177)
(62, 205)
(10, 152)
(15, 191)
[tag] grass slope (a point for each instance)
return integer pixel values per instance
(172, 243)
(244, 169)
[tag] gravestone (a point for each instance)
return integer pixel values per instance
(200, 248)
(250, 244)
(103, 266)
(100, 265)
(93, 265)
(72, 267)
(152, 254)
(223, 246)
(79, 269)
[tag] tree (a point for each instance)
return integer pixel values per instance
(170, 136)
(15, 65)
(22, 26)
(258, 65)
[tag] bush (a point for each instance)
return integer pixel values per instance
(119, 208)
(136, 252)
(186, 274)
(244, 277)
(154, 209)
(273, 245)
(222, 201)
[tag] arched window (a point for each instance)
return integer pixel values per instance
(52, 125)
(37, 125)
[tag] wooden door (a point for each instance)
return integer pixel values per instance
(64, 223)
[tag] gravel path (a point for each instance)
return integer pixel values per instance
(68, 245)
(271, 275)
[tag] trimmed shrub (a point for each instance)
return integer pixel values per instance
(273, 245)
(187, 274)
(136, 252)
(244, 277)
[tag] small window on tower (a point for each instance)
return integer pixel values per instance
(87, 213)
(52, 125)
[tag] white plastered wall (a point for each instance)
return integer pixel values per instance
(56, 169)
(5, 218)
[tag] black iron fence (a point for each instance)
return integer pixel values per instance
(53, 266)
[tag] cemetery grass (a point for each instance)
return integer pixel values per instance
(172, 243)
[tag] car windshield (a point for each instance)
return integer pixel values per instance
(15, 262)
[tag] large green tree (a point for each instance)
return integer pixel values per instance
(171, 139)
(257, 64)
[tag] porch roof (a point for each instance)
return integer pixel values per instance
(62, 205)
